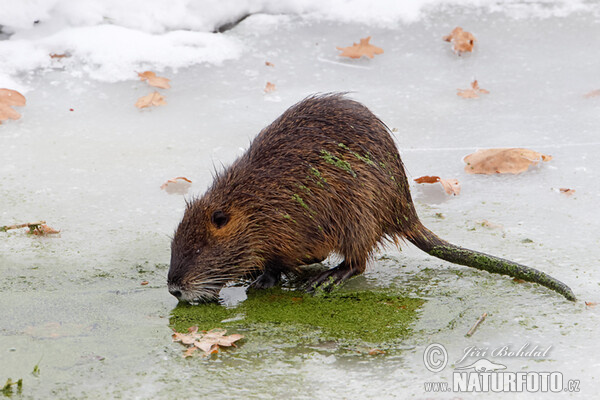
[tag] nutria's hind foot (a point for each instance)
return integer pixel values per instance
(328, 280)
(267, 280)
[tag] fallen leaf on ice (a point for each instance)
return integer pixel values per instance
(462, 41)
(8, 99)
(153, 99)
(451, 186)
(179, 185)
(153, 80)
(568, 192)
(472, 93)
(270, 87)
(502, 161)
(269, 64)
(42, 230)
(593, 93)
(208, 342)
(357, 50)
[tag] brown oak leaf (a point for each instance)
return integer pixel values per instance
(8, 99)
(568, 192)
(153, 80)
(357, 50)
(462, 41)
(503, 161)
(153, 99)
(472, 93)
(270, 87)
(451, 186)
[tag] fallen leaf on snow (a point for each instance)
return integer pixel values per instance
(54, 55)
(451, 186)
(8, 99)
(179, 185)
(144, 283)
(462, 41)
(502, 161)
(270, 87)
(153, 99)
(590, 304)
(593, 93)
(373, 352)
(357, 50)
(472, 93)
(269, 64)
(153, 80)
(568, 192)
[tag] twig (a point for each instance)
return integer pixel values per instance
(476, 325)
(30, 225)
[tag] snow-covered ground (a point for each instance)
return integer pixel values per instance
(83, 158)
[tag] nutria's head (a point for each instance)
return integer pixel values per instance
(212, 246)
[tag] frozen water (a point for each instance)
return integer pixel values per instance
(95, 172)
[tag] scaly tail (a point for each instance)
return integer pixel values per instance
(430, 243)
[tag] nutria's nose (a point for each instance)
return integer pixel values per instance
(175, 292)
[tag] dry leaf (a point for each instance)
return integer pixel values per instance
(590, 304)
(43, 230)
(153, 99)
(518, 280)
(208, 342)
(451, 186)
(270, 87)
(8, 99)
(568, 192)
(593, 93)
(373, 352)
(144, 283)
(461, 41)
(472, 93)
(54, 55)
(357, 50)
(269, 64)
(503, 161)
(179, 185)
(153, 80)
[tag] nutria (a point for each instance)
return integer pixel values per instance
(325, 177)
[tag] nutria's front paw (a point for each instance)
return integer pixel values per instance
(267, 280)
(330, 279)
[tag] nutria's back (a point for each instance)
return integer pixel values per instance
(324, 177)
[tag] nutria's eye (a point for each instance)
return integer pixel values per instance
(219, 219)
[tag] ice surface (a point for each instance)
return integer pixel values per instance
(95, 173)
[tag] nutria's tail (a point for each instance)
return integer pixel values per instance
(427, 241)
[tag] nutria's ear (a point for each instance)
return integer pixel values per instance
(219, 219)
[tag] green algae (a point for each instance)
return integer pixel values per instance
(373, 317)
(366, 158)
(337, 162)
(300, 201)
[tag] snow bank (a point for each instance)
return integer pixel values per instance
(111, 39)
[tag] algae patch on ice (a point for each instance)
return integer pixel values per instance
(365, 316)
